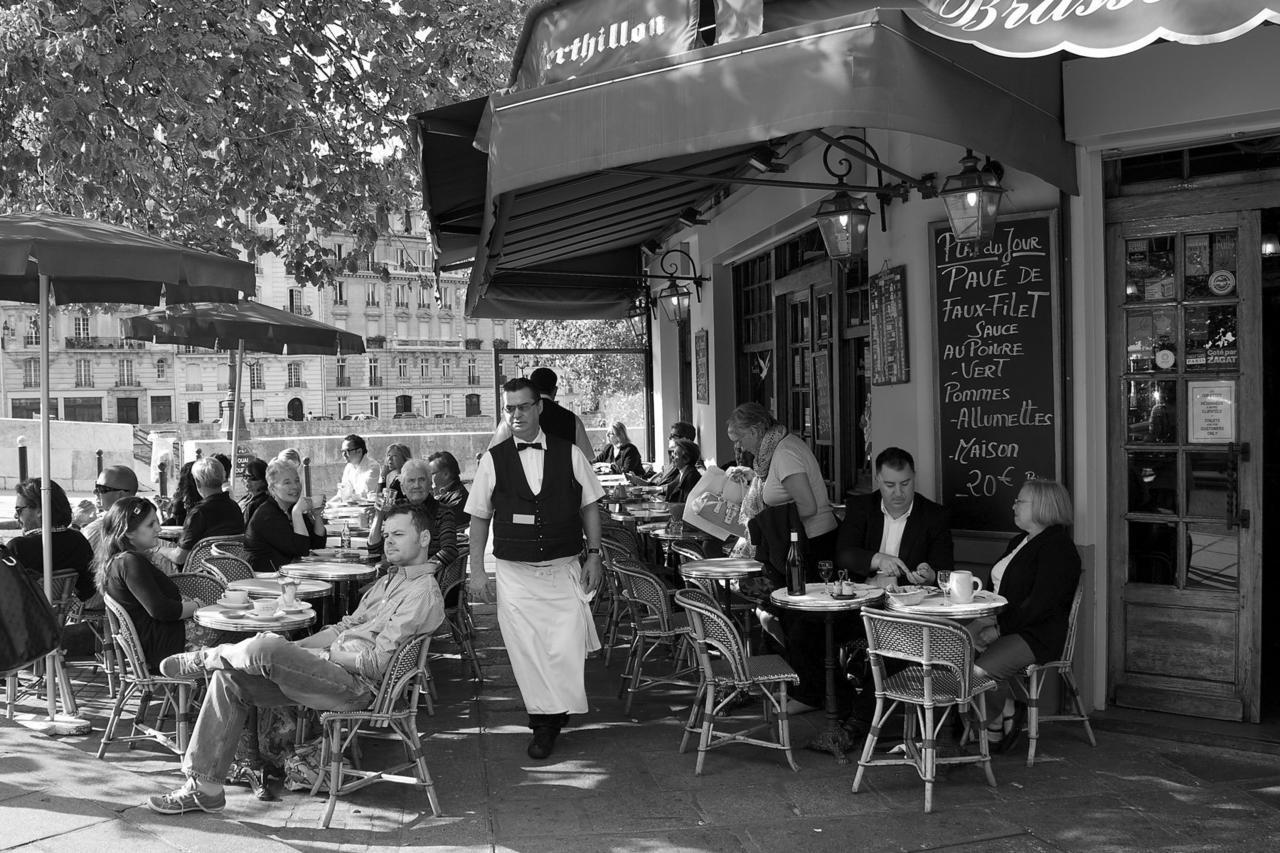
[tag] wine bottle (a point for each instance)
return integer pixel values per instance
(795, 566)
(344, 539)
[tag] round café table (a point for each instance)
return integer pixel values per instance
(721, 571)
(342, 575)
(817, 600)
(246, 621)
(267, 587)
(938, 605)
(666, 538)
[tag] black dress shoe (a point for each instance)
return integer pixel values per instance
(543, 742)
(1012, 736)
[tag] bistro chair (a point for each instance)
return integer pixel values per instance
(65, 606)
(205, 589)
(654, 626)
(175, 694)
(229, 566)
(230, 546)
(392, 713)
(730, 677)
(458, 615)
(612, 595)
(939, 675)
(202, 549)
(1036, 674)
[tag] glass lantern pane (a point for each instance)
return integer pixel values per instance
(1211, 338)
(1213, 559)
(1153, 482)
(1153, 553)
(1149, 269)
(1153, 411)
(1211, 483)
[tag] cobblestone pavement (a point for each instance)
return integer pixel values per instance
(617, 783)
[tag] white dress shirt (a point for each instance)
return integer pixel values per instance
(891, 539)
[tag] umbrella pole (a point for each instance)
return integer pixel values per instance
(235, 416)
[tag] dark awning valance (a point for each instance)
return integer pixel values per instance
(549, 196)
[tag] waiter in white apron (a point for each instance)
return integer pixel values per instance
(539, 492)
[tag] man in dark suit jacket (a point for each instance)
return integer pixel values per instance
(894, 535)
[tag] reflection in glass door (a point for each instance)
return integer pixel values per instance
(1188, 570)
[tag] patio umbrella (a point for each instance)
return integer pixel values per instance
(82, 260)
(238, 327)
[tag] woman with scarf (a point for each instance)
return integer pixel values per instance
(787, 492)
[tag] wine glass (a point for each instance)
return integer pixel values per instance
(944, 583)
(825, 570)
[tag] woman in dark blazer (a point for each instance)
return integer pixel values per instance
(283, 527)
(685, 459)
(619, 453)
(1038, 576)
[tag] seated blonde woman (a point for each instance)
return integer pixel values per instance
(619, 453)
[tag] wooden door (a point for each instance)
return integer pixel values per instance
(1185, 437)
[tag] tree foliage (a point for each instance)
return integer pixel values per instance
(177, 115)
(591, 377)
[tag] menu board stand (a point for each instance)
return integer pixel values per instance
(999, 366)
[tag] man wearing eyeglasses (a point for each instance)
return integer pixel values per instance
(115, 482)
(539, 493)
(360, 475)
(555, 419)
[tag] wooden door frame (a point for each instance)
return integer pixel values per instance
(1231, 207)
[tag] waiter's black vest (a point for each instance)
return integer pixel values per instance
(558, 421)
(556, 530)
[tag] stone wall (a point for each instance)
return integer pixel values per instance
(73, 456)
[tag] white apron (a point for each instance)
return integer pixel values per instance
(546, 623)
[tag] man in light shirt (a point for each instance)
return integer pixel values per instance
(895, 536)
(336, 669)
(360, 475)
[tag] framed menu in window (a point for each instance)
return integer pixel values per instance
(888, 303)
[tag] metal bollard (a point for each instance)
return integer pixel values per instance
(164, 481)
(306, 475)
(99, 461)
(22, 458)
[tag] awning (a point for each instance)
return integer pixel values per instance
(453, 178)
(550, 198)
(1089, 27)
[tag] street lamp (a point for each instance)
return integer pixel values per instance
(972, 197)
(674, 298)
(843, 220)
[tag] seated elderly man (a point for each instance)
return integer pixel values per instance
(415, 482)
(337, 669)
(215, 515)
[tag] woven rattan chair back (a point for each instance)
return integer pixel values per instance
(643, 588)
(712, 627)
(203, 588)
(202, 549)
(406, 665)
(129, 645)
(65, 603)
(230, 546)
(453, 574)
(930, 643)
(231, 568)
(686, 551)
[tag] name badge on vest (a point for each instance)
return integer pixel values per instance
(517, 518)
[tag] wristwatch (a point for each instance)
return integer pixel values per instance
(593, 550)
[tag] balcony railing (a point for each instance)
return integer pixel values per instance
(375, 343)
(128, 382)
(296, 383)
(375, 381)
(403, 343)
(301, 310)
(344, 381)
(472, 343)
(28, 382)
(195, 386)
(400, 304)
(84, 383)
(99, 342)
(31, 340)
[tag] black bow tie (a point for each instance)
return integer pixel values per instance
(520, 445)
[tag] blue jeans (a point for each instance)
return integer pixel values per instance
(264, 671)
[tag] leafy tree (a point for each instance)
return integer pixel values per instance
(177, 115)
(591, 377)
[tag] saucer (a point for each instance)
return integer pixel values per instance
(299, 607)
(266, 617)
(233, 614)
(224, 603)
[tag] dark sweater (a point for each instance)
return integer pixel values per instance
(152, 601)
(70, 551)
(1040, 583)
(270, 541)
(624, 459)
(216, 515)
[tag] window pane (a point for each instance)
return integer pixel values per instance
(1153, 482)
(1153, 411)
(1149, 269)
(1211, 338)
(1214, 558)
(1153, 552)
(1150, 332)
(1210, 482)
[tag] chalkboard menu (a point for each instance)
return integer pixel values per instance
(888, 300)
(998, 391)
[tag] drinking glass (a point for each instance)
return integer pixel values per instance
(944, 583)
(825, 570)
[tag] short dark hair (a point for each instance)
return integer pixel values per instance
(896, 458)
(544, 379)
(683, 429)
(448, 462)
(255, 469)
(59, 506)
(421, 520)
(226, 464)
(511, 386)
(688, 449)
(357, 443)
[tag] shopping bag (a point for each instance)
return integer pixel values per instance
(715, 504)
(28, 625)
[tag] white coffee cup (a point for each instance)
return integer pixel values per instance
(265, 606)
(235, 596)
(963, 586)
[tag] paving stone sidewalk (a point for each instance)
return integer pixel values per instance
(617, 783)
